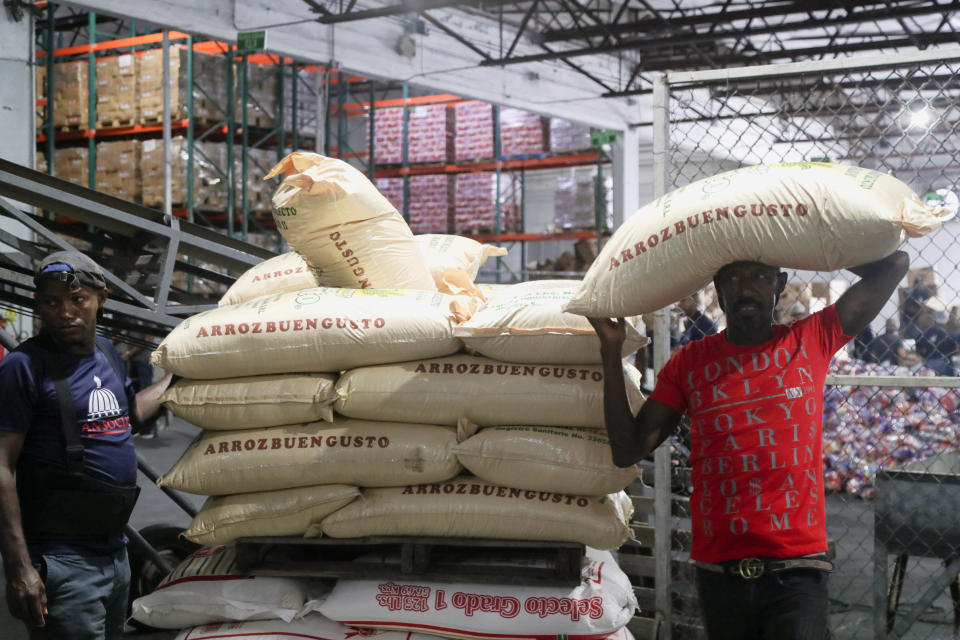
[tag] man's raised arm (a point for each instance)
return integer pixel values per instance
(631, 438)
(861, 303)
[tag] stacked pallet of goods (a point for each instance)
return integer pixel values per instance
(361, 386)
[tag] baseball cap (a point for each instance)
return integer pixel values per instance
(71, 267)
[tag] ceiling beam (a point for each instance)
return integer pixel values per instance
(646, 43)
(657, 24)
(409, 6)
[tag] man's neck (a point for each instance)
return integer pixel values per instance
(749, 336)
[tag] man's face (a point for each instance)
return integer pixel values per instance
(747, 292)
(69, 314)
(689, 305)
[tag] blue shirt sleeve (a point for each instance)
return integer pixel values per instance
(18, 392)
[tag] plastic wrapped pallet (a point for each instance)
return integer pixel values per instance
(347, 231)
(808, 215)
(229, 404)
(598, 608)
(311, 330)
(557, 459)
(446, 391)
(353, 452)
(525, 324)
(279, 274)
(207, 587)
(286, 512)
(468, 507)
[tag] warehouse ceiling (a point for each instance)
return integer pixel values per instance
(647, 36)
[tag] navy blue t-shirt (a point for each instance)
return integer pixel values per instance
(101, 401)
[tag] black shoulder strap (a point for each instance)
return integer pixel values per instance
(101, 344)
(68, 420)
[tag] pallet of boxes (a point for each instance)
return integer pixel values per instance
(389, 449)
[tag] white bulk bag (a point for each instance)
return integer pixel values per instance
(525, 323)
(286, 512)
(282, 273)
(482, 391)
(559, 459)
(332, 215)
(311, 330)
(469, 507)
(353, 452)
(207, 587)
(601, 604)
(807, 215)
(312, 626)
(254, 401)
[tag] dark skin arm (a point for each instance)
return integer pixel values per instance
(861, 303)
(146, 407)
(631, 438)
(26, 595)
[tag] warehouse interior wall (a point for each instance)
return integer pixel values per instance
(17, 100)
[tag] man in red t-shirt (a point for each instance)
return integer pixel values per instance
(754, 396)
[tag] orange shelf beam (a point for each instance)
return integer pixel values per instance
(532, 237)
(122, 43)
(550, 162)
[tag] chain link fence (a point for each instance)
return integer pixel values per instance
(891, 410)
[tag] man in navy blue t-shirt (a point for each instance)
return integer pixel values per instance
(67, 574)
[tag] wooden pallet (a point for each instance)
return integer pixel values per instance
(116, 122)
(513, 562)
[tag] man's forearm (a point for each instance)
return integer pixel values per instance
(13, 545)
(619, 420)
(147, 404)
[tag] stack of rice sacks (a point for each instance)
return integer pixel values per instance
(365, 363)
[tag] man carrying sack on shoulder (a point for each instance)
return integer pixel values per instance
(754, 396)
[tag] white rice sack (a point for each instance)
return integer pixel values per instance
(485, 392)
(286, 512)
(352, 452)
(598, 607)
(254, 401)
(207, 587)
(558, 459)
(443, 252)
(808, 215)
(525, 323)
(469, 507)
(348, 232)
(311, 330)
(312, 626)
(282, 273)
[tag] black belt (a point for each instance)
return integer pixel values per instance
(753, 568)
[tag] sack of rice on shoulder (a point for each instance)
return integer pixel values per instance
(312, 626)
(348, 232)
(808, 215)
(282, 273)
(311, 330)
(526, 324)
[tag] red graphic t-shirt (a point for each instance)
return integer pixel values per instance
(756, 418)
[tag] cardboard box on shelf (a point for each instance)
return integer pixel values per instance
(117, 87)
(118, 169)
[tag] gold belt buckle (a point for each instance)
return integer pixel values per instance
(751, 568)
